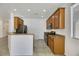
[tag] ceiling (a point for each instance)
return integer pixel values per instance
(37, 10)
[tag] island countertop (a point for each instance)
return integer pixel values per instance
(13, 33)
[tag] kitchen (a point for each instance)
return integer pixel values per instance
(39, 24)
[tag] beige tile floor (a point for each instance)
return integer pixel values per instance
(4, 47)
(40, 48)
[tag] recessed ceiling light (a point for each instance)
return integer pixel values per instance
(22, 16)
(44, 10)
(14, 9)
(42, 16)
(28, 10)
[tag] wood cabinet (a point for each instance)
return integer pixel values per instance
(59, 45)
(56, 44)
(52, 21)
(49, 23)
(17, 22)
(49, 42)
(52, 44)
(57, 19)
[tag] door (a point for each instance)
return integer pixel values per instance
(56, 21)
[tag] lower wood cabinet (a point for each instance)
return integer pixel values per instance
(49, 42)
(56, 44)
(52, 45)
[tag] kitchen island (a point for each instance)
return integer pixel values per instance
(20, 44)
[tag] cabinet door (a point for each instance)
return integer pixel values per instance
(56, 21)
(48, 22)
(52, 20)
(59, 45)
(62, 18)
(21, 22)
(52, 44)
(16, 22)
(49, 42)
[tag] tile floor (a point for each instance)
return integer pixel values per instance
(40, 48)
(4, 47)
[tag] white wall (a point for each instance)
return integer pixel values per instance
(36, 26)
(11, 23)
(5, 27)
(76, 23)
(1, 28)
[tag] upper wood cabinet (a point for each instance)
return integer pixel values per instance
(52, 21)
(49, 23)
(17, 22)
(57, 19)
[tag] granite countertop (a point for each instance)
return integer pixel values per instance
(56, 35)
